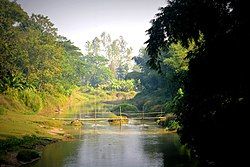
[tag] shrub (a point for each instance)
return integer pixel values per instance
(2, 110)
(12, 93)
(124, 108)
(119, 85)
(173, 125)
(31, 99)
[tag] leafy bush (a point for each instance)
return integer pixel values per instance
(27, 142)
(31, 99)
(12, 93)
(2, 110)
(119, 85)
(86, 89)
(172, 125)
(124, 108)
(28, 99)
(171, 105)
(15, 81)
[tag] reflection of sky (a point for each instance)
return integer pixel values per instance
(116, 151)
(82, 20)
(119, 149)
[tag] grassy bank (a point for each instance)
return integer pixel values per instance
(29, 112)
(27, 121)
(26, 124)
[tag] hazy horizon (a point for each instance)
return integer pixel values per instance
(82, 20)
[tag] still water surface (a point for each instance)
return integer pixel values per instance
(104, 145)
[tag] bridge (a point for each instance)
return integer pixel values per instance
(131, 115)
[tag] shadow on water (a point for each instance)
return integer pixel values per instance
(105, 145)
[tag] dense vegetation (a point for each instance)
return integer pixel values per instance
(196, 48)
(160, 93)
(43, 75)
(215, 87)
(39, 67)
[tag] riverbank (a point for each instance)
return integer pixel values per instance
(18, 123)
(19, 151)
(24, 134)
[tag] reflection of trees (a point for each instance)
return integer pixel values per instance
(57, 154)
(172, 152)
(215, 102)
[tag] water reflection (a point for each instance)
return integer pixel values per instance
(103, 145)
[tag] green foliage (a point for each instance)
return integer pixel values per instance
(2, 110)
(31, 99)
(172, 125)
(13, 93)
(28, 97)
(216, 88)
(116, 52)
(173, 104)
(33, 55)
(17, 81)
(151, 100)
(145, 78)
(95, 71)
(119, 85)
(29, 142)
(125, 108)
(159, 92)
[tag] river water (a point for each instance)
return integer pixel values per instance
(100, 144)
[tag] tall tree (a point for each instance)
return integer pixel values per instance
(216, 95)
(32, 55)
(12, 23)
(118, 54)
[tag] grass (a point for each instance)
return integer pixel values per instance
(19, 118)
(19, 125)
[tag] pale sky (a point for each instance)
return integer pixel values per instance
(82, 20)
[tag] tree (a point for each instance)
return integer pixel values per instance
(118, 54)
(43, 24)
(32, 55)
(216, 87)
(12, 23)
(73, 64)
(95, 65)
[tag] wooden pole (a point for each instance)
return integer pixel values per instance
(143, 114)
(120, 116)
(143, 108)
(95, 113)
(95, 110)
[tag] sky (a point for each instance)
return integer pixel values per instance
(82, 20)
